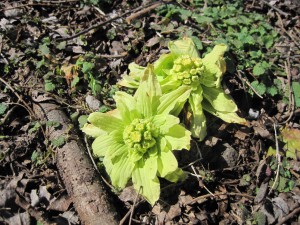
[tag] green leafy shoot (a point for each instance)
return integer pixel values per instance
(136, 139)
(183, 67)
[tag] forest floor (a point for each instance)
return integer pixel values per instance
(71, 53)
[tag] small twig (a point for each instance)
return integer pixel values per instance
(3, 120)
(95, 165)
(192, 163)
(285, 31)
(90, 154)
(96, 26)
(291, 94)
(289, 216)
(198, 177)
(218, 194)
(123, 220)
(247, 82)
(278, 156)
(275, 8)
(31, 113)
(133, 206)
(143, 11)
(121, 55)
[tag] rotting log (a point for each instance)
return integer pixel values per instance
(82, 182)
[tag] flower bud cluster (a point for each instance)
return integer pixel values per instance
(187, 69)
(140, 135)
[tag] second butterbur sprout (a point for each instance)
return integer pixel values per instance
(140, 135)
(188, 70)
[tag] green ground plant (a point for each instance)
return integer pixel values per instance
(183, 66)
(138, 137)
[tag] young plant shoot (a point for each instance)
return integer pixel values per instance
(137, 138)
(183, 67)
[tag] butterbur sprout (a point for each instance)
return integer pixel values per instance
(136, 139)
(183, 67)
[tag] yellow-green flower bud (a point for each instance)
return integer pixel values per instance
(140, 135)
(135, 136)
(188, 70)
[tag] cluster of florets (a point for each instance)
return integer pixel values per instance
(140, 135)
(187, 69)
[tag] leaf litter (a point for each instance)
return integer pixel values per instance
(235, 167)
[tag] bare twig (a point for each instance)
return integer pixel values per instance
(218, 194)
(278, 156)
(31, 113)
(96, 26)
(247, 82)
(291, 94)
(289, 216)
(143, 11)
(133, 206)
(198, 177)
(275, 8)
(130, 212)
(95, 165)
(121, 55)
(285, 31)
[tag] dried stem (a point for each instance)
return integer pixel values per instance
(218, 194)
(31, 113)
(278, 157)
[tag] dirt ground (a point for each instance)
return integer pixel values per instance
(60, 60)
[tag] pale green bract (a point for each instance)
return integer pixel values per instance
(183, 67)
(137, 139)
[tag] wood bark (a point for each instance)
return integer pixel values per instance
(76, 170)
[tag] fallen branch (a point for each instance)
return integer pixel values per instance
(82, 182)
(276, 9)
(142, 12)
(96, 26)
(216, 195)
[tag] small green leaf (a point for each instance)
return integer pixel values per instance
(75, 81)
(74, 116)
(245, 181)
(231, 21)
(58, 142)
(272, 90)
(51, 123)
(82, 120)
(61, 45)
(44, 49)
(34, 156)
(87, 67)
(258, 69)
(104, 108)
(203, 19)
(3, 108)
(49, 86)
(260, 218)
(40, 63)
(36, 126)
(296, 91)
(259, 87)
